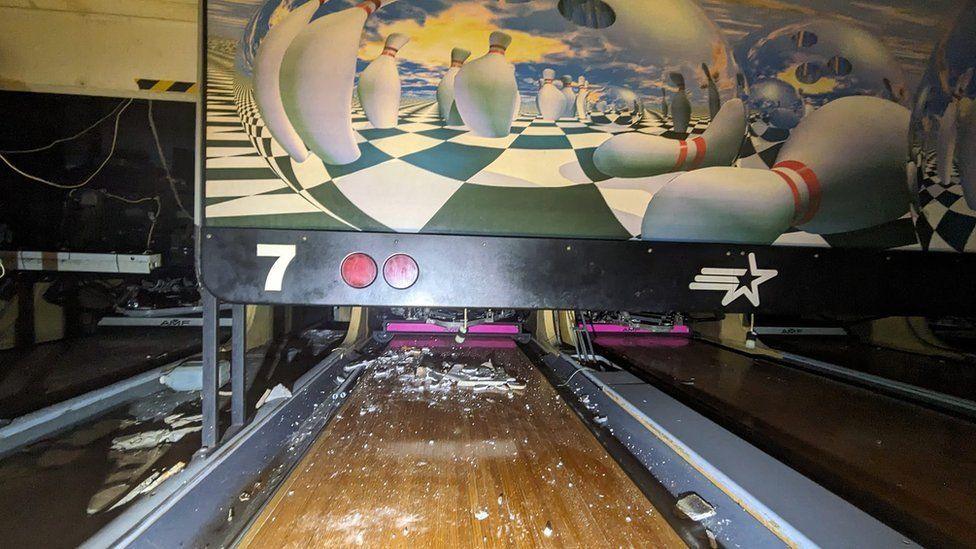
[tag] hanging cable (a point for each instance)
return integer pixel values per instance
(73, 137)
(115, 136)
(163, 163)
(155, 218)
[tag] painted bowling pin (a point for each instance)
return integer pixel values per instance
(680, 106)
(842, 169)
(642, 155)
(485, 90)
(267, 67)
(318, 72)
(550, 100)
(379, 85)
(948, 129)
(584, 89)
(664, 102)
(445, 90)
(714, 100)
(966, 150)
(569, 108)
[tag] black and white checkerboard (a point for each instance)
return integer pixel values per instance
(945, 222)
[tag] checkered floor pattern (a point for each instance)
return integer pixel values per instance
(540, 180)
(946, 221)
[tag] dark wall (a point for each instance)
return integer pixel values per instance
(36, 216)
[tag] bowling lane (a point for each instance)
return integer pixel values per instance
(910, 466)
(951, 377)
(404, 465)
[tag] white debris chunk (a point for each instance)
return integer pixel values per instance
(278, 392)
(150, 439)
(547, 531)
(151, 483)
(695, 508)
(481, 514)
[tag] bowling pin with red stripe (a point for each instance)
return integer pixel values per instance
(642, 155)
(485, 90)
(379, 85)
(551, 102)
(842, 169)
(445, 90)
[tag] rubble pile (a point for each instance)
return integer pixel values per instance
(416, 367)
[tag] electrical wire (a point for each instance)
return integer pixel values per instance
(139, 201)
(73, 137)
(111, 152)
(571, 376)
(162, 161)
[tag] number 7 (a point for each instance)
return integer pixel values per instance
(285, 253)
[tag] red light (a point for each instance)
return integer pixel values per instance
(358, 270)
(400, 271)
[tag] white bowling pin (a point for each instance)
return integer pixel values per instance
(267, 67)
(485, 90)
(706, 206)
(569, 108)
(518, 105)
(445, 90)
(714, 99)
(379, 85)
(642, 155)
(966, 150)
(317, 77)
(680, 106)
(842, 169)
(550, 100)
(580, 106)
(948, 129)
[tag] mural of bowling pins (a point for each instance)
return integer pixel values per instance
(569, 109)
(818, 183)
(714, 100)
(267, 66)
(680, 106)
(379, 85)
(642, 155)
(318, 72)
(485, 90)
(550, 100)
(445, 90)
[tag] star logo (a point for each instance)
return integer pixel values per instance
(734, 282)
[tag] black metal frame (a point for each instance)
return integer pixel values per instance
(515, 272)
(209, 395)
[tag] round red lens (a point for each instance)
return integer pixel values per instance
(400, 271)
(358, 270)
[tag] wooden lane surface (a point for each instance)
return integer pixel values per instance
(404, 466)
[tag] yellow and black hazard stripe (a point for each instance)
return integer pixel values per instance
(147, 84)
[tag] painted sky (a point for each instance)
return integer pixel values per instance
(542, 38)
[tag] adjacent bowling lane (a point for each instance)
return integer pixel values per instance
(956, 378)
(405, 466)
(910, 466)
